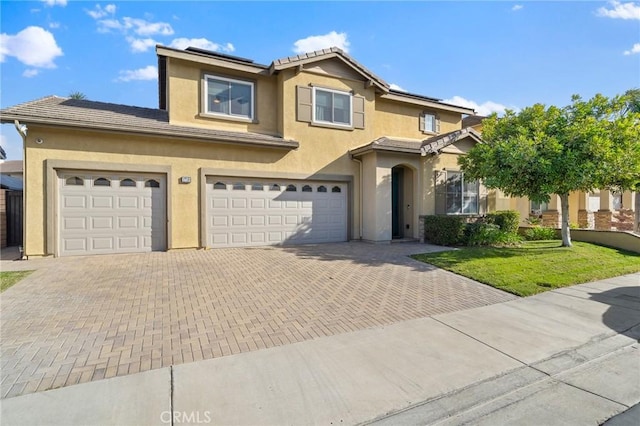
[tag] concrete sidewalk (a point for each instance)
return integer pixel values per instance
(568, 356)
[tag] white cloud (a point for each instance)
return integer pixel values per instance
(55, 2)
(147, 73)
(394, 86)
(107, 22)
(620, 10)
(54, 25)
(31, 72)
(100, 12)
(485, 108)
(145, 28)
(517, 7)
(202, 43)
(141, 44)
(318, 42)
(33, 46)
(634, 49)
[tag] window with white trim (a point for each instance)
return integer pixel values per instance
(430, 123)
(229, 97)
(332, 107)
(461, 195)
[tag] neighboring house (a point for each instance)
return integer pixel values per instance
(11, 175)
(309, 149)
(10, 203)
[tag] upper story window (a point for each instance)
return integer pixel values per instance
(228, 97)
(429, 123)
(332, 106)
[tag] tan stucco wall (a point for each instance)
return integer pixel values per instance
(403, 120)
(186, 96)
(184, 158)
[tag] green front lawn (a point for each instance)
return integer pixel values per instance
(7, 279)
(536, 266)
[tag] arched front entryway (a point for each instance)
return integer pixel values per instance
(402, 203)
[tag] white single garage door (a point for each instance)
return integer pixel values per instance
(242, 212)
(106, 212)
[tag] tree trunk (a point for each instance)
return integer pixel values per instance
(566, 233)
(636, 225)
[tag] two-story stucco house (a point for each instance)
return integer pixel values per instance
(309, 149)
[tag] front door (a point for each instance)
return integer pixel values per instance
(396, 190)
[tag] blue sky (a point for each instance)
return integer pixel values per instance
(488, 55)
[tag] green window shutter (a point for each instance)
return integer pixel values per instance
(304, 105)
(358, 112)
(422, 122)
(483, 199)
(440, 180)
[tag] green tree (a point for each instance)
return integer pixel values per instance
(77, 95)
(541, 151)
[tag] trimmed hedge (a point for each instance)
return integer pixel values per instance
(507, 220)
(499, 228)
(538, 233)
(444, 230)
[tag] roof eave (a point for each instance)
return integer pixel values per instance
(395, 96)
(372, 147)
(276, 66)
(234, 140)
(468, 133)
(209, 60)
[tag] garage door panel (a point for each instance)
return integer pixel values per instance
(74, 201)
(101, 202)
(75, 223)
(75, 244)
(102, 243)
(125, 222)
(123, 215)
(255, 214)
(128, 242)
(101, 223)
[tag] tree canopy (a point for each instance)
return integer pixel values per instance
(540, 151)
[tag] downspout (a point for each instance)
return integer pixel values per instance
(22, 130)
(359, 192)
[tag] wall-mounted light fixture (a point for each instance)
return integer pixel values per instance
(185, 179)
(39, 141)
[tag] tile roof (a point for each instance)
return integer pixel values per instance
(434, 144)
(385, 143)
(57, 111)
(317, 55)
(431, 145)
(472, 120)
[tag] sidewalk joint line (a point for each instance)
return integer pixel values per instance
(171, 393)
(480, 341)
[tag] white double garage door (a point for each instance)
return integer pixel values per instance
(254, 212)
(107, 212)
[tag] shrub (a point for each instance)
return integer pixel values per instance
(537, 233)
(488, 234)
(443, 230)
(507, 220)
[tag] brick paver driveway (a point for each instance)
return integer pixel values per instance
(80, 319)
